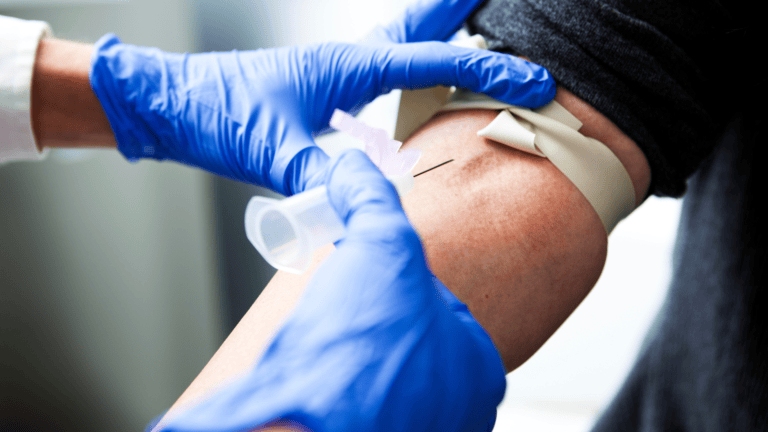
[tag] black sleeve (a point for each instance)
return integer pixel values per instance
(658, 69)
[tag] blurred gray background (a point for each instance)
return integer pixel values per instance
(118, 280)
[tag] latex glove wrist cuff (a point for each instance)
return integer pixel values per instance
(135, 139)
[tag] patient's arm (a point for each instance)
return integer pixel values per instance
(507, 232)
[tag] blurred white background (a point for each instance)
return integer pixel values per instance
(119, 280)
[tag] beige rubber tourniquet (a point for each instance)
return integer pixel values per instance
(550, 131)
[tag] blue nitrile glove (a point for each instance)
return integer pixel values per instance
(252, 115)
(377, 343)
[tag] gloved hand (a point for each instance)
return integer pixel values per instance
(251, 116)
(377, 343)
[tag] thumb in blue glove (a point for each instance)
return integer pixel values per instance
(377, 343)
(252, 115)
(425, 20)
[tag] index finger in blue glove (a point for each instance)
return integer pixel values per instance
(427, 64)
(425, 20)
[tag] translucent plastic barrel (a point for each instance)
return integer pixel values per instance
(287, 232)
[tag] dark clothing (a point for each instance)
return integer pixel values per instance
(704, 365)
(656, 68)
(679, 77)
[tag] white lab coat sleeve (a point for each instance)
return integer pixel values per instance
(18, 46)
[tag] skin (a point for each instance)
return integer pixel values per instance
(65, 111)
(506, 231)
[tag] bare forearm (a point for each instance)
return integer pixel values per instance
(65, 111)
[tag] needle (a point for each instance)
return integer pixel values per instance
(430, 169)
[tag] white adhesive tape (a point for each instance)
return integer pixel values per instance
(550, 131)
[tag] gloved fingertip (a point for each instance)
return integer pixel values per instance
(543, 92)
(310, 170)
(355, 185)
(299, 167)
(546, 87)
(530, 85)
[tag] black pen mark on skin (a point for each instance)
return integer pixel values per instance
(430, 169)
